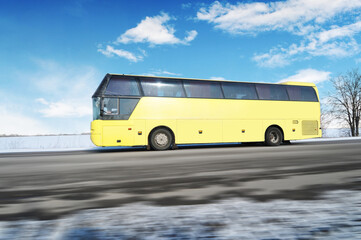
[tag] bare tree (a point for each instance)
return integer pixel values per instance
(326, 118)
(346, 99)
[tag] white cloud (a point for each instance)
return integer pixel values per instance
(63, 104)
(272, 59)
(308, 75)
(308, 19)
(14, 121)
(339, 32)
(63, 91)
(152, 30)
(156, 31)
(109, 51)
(186, 5)
(75, 107)
(337, 42)
(191, 35)
(290, 15)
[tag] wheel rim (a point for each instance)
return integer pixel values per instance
(273, 137)
(161, 139)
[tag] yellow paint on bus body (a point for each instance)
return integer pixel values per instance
(196, 120)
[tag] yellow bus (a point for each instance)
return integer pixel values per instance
(161, 113)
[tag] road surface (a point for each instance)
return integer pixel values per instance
(47, 185)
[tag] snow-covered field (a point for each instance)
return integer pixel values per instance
(336, 216)
(80, 142)
(43, 143)
(336, 132)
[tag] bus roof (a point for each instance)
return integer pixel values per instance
(217, 80)
(299, 83)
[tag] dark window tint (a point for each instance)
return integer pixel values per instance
(272, 92)
(126, 107)
(302, 93)
(101, 89)
(122, 87)
(239, 90)
(203, 89)
(162, 87)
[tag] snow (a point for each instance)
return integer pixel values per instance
(336, 216)
(83, 142)
(328, 139)
(45, 143)
(336, 132)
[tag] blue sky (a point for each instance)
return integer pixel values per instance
(53, 54)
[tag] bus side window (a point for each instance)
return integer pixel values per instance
(123, 87)
(162, 87)
(272, 92)
(279, 93)
(203, 89)
(239, 90)
(302, 93)
(264, 91)
(126, 107)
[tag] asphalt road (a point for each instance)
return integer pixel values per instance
(47, 185)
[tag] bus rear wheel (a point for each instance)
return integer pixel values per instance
(273, 136)
(161, 139)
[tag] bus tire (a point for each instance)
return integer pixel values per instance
(273, 136)
(161, 139)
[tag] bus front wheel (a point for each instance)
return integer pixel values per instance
(161, 139)
(273, 136)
